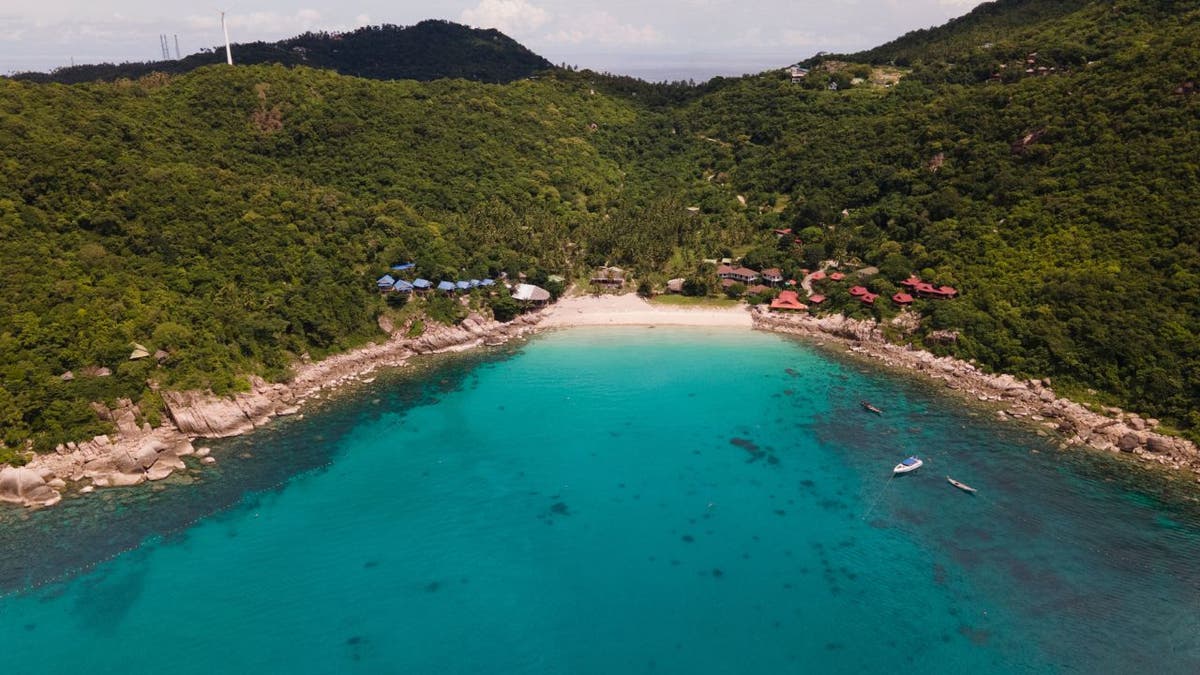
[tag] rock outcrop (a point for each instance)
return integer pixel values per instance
(136, 454)
(1032, 400)
(27, 487)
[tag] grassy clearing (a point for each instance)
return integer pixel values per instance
(688, 301)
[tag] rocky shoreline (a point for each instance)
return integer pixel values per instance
(1031, 401)
(136, 454)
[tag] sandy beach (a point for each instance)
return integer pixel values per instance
(630, 310)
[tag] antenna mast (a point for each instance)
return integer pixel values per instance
(228, 52)
(162, 44)
(177, 46)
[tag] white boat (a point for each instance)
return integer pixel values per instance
(910, 464)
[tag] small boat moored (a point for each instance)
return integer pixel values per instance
(961, 486)
(910, 464)
(870, 408)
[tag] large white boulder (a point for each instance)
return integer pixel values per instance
(19, 485)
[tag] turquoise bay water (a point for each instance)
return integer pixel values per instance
(610, 501)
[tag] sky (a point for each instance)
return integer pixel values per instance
(652, 39)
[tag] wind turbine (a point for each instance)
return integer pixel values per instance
(228, 52)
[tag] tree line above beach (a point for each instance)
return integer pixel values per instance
(234, 219)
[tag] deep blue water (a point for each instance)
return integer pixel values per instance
(610, 501)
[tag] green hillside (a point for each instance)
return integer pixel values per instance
(429, 50)
(237, 218)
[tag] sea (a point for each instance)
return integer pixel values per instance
(618, 500)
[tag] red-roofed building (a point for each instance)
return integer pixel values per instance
(837, 276)
(791, 282)
(816, 299)
(758, 288)
(784, 231)
(858, 291)
(927, 290)
(788, 300)
(902, 299)
(869, 298)
(818, 275)
(772, 275)
(911, 281)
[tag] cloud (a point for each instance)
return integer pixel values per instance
(512, 17)
(254, 25)
(602, 28)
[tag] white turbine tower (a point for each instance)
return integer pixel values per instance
(228, 52)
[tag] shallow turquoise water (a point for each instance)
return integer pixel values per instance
(618, 500)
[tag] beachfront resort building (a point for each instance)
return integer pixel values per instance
(612, 277)
(788, 301)
(530, 295)
(743, 275)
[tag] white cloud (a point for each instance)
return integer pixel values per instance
(602, 28)
(512, 17)
(254, 25)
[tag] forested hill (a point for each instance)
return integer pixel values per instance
(430, 50)
(231, 220)
(1000, 20)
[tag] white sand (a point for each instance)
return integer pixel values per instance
(630, 310)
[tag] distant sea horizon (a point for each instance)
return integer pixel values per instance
(681, 67)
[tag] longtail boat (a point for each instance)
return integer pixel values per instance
(961, 486)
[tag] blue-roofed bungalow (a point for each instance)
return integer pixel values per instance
(487, 282)
(422, 284)
(463, 285)
(447, 286)
(474, 283)
(385, 282)
(403, 286)
(403, 266)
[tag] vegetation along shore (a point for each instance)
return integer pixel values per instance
(138, 454)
